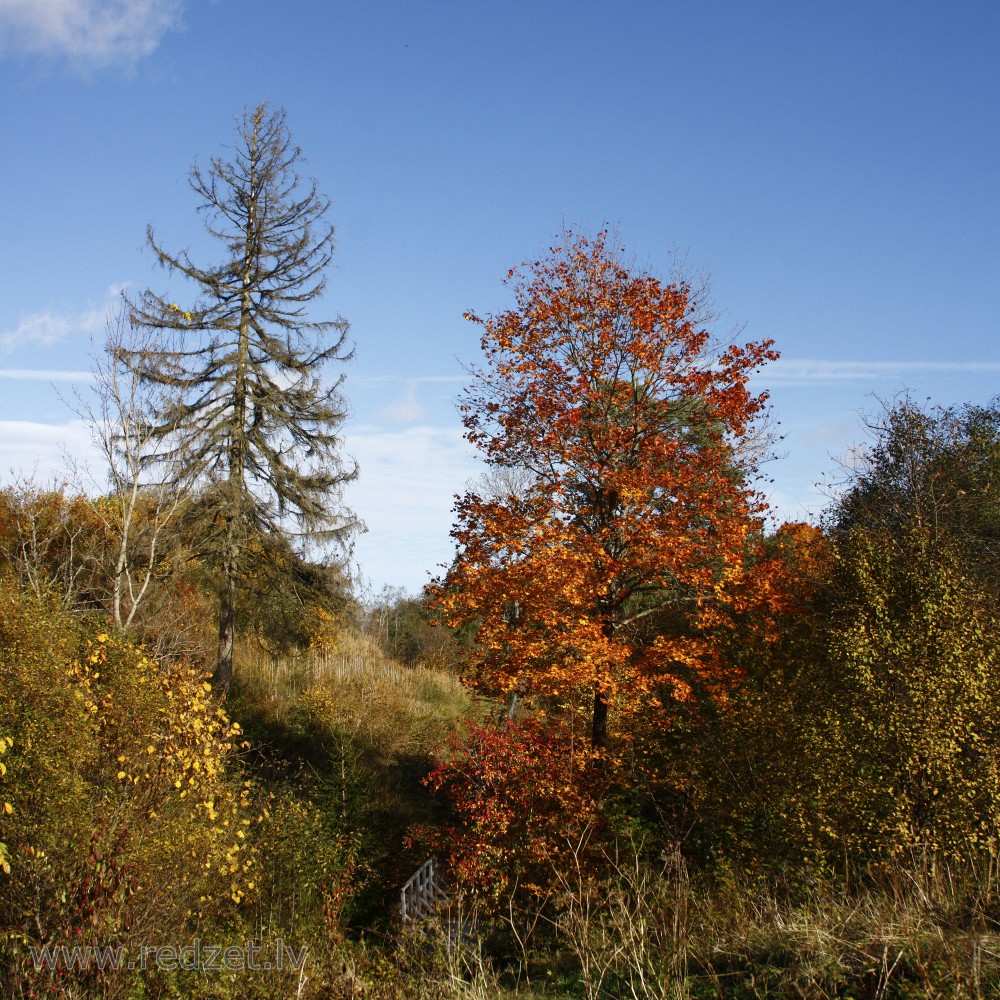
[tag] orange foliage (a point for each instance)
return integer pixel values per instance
(804, 558)
(614, 563)
(786, 571)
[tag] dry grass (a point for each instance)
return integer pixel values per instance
(351, 687)
(652, 932)
(921, 933)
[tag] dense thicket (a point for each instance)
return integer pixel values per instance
(853, 744)
(932, 472)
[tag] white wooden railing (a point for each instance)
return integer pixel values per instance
(422, 893)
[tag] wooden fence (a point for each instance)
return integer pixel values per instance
(422, 893)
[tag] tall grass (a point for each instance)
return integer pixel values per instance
(352, 687)
(918, 931)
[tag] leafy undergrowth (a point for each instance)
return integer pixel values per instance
(354, 732)
(134, 812)
(645, 933)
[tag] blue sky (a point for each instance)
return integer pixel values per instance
(833, 166)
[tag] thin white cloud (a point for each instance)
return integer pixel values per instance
(39, 451)
(806, 504)
(786, 371)
(407, 410)
(377, 381)
(93, 33)
(405, 493)
(812, 371)
(42, 375)
(48, 326)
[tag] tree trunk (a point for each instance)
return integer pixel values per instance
(237, 466)
(599, 734)
(224, 666)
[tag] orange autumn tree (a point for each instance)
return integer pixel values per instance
(599, 562)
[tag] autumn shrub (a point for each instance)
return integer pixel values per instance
(736, 790)
(905, 747)
(129, 823)
(524, 798)
(869, 740)
(52, 542)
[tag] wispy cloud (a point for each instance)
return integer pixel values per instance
(787, 505)
(811, 371)
(407, 410)
(404, 493)
(378, 381)
(41, 375)
(48, 326)
(786, 371)
(39, 450)
(92, 33)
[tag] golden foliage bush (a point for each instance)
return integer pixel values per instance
(128, 823)
(906, 752)
(870, 739)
